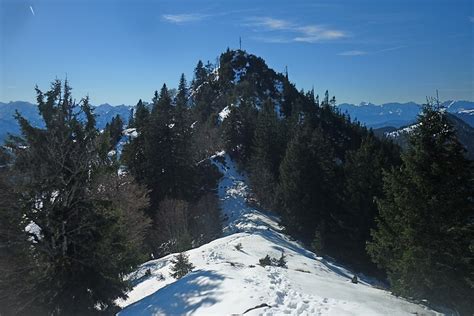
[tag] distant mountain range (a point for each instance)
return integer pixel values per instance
(401, 114)
(8, 125)
(389, 115)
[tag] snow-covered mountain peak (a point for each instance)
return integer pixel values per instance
(227, 278)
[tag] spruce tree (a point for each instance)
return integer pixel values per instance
(182, 96)
(73, 245)
(200, 75)
(307, 183)
(362, 185)
(114, 130)
(424, 231)
(133, 153)
(266, 155)
(142, 115)
(181, 266)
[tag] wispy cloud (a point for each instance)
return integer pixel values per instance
(389, 49)
(293, 32)
(32, 11)
(353, 53)
(270, 23)
(315, 33)
(183, 18)
(271, 39)
(471, 19)
(363, 52)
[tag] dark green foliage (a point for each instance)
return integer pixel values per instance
(354, 279)
(182, 96)
(114, 130)
(68, 242)
(181, 266)
(307, 181)
(266, 261)
(317, 244)
(164, 158)
(269, 261)
(267, 150)
(281, 262)
(425, 230)
(142, 114)
(131, 119)
(238, 131)
(160, 157)
(362, 185)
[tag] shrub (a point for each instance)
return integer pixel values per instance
(267, 261)
(181, 266)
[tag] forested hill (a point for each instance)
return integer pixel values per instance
(82, 208)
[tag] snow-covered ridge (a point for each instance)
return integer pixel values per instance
(402, 131)
(228, 280)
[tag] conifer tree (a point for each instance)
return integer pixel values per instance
(131, 119)
(424, 231)
(233, 132)
(307, 183)
(200, 75)
(181, 266)
(182, 96)
(362, 185)
(266, 154)
(133, 153)
(114, 130)
(141, 116)
(74, 242)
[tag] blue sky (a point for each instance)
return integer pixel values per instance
(120, 51)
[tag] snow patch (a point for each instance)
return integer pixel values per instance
(33, 229)
(224, 113)
(130, 132)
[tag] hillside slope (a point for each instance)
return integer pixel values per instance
(464, 132)
(228, 280)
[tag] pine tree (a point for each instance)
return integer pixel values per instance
(131, 119)
(307, 183)
(200, 75)
(182, 96)
(142, 115)
(181, 266)
(134, 151)
(424, 231)
(266, 155)
(362, 185)
(76, 246)
(233, 132)
(114, 130)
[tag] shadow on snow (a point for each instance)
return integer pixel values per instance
(184, 296)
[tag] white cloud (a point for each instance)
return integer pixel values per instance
(32, 11)
(353, 53)
(389, 49)
(272, 39)
(298, 33)
(270, 23)
(363, 52)
(316, 33)
(183, 18)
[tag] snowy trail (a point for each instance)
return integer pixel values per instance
(228, 280)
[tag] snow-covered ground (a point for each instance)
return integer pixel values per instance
(227, 278)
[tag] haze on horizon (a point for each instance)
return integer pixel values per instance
(119, 51)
